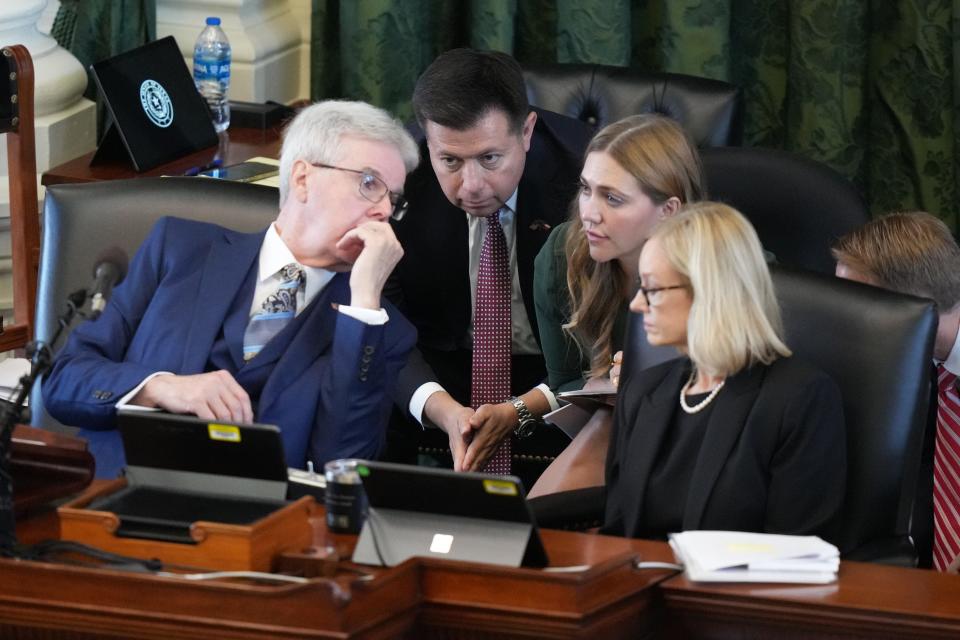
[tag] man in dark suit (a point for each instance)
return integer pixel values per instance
(490, 156)
(284, 326)
(915, 253)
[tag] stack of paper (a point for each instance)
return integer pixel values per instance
(735, 556)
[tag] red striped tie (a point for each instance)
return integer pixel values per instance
(490, 380)
(946, 473)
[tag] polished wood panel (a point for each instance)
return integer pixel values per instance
(593, 589)
(47, 465)
(868, 601)
(236, 145)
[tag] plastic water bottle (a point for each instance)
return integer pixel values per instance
(211, 71)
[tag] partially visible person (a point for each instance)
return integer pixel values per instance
(738, 434)
(500, 175)
(637, 172)
(284, 326)
(915, 253)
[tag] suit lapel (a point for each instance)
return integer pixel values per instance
(660, 403)
(224, 272)
(312, 338)
(542, 195)
(727, 420)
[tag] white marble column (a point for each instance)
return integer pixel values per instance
(65, 122)
(264, 36)
(303, 11)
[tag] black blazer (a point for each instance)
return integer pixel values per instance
(431, 283)
(773, 457)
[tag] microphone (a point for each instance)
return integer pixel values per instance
(109, 270)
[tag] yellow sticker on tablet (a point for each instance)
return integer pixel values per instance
(224, 432)
(500, 487)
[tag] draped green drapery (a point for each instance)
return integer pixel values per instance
(866, 87)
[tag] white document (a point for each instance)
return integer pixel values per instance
(735, 556)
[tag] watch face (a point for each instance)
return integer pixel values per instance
(526, 428)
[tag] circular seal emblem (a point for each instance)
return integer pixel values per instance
(156, 103)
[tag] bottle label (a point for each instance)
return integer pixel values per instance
(211, 69)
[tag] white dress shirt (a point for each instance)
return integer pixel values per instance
(523, 340)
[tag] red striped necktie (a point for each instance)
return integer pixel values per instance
(946, 472)
(490, 379)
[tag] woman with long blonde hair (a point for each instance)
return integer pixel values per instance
(737, 434)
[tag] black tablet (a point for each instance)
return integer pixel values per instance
(424, 511)
(153, 104)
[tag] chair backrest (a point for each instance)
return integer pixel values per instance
(81, 220)
(877, 346)
(799, 207)
(16, 119)
(711, 111)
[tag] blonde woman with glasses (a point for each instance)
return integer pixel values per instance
(736, 434)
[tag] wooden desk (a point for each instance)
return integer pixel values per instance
(437, 599)
(236, 145)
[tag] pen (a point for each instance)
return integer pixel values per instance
(192, 171)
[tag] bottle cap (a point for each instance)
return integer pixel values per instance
(213, 21)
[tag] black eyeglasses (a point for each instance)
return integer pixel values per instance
(373, 188)
(653, 291)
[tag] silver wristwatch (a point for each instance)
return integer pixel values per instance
(528, 423)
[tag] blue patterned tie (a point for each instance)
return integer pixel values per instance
(277, 311)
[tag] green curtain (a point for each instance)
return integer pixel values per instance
(95, 30)
(865, 87)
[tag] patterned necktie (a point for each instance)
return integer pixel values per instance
(277, 311)
(490, 380)
(946, 472)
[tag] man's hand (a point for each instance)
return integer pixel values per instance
(490, 424)
(377, 252)
(954, 567)
(210, 396)
(454, 418)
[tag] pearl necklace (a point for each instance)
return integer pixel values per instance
(700, 406)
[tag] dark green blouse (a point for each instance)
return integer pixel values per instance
(566, 365)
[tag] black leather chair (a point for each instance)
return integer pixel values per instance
(81, 220)
(799, 207)
(877, 346)
(711, 111)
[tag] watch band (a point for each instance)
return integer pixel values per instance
(528, 423)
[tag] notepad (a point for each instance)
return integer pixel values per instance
(735, 556)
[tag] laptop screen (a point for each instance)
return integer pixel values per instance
(154, 104)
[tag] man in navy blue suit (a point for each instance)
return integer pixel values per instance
(177, 334)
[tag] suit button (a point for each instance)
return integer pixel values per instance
(363, 377)
(364, 368)
(365, 359)
(369, 349)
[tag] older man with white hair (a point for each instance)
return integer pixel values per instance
(284, 326)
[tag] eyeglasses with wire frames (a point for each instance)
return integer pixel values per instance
(373, 188)
(650, 294)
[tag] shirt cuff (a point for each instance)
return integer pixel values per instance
(123, 402)
(364, 315)
(419, 399)
(548, 394)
